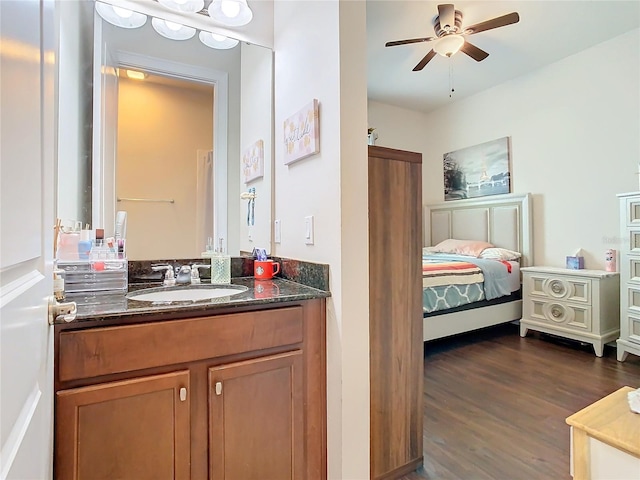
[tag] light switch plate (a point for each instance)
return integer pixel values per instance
(308, 230)
(277, 231)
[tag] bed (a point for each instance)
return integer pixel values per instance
(505, 222)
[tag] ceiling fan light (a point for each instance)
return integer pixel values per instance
(449, 45)
(185, 6)
(120, 17)
(232, 13)
(172, 30)
(214, 40)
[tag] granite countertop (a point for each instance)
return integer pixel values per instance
(259, 292)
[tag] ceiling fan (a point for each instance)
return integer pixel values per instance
(450, 34)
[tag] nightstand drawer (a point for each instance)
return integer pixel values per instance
(575, 317)
(559, 287)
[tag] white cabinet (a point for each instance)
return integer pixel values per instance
(578, 304)
(629, 341)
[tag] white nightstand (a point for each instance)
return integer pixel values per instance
(582, 305)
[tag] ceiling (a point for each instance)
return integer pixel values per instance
(547, 32)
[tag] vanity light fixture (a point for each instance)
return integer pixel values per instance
(185, 6)
(120, 17)
(214, 40)
(232, 13)
(172, 30)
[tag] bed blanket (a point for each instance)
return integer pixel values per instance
(437, 272)
(495, 273)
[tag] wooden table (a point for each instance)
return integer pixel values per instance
(606, 439)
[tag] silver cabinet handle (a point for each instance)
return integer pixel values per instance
(218, 388)
(183, 394)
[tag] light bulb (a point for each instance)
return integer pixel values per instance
(122, 12)
(215, 40)
(230, 8)
(172, 30)
(172, 25)
(232, 13)
(448, 45)
(120, 17)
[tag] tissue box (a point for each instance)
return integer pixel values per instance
(575, 263)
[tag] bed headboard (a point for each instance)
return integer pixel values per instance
(503, 220)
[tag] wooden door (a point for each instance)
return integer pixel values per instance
(133, 429)
(256, 419)
(27, 149)
(395, 311)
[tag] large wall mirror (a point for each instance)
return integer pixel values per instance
(172, 147)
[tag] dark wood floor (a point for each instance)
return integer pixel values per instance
(495, 408)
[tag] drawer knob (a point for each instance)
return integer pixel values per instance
(557, 287)
(183, 394)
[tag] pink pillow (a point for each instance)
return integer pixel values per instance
(471, 248)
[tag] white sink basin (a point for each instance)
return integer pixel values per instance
(191, 293)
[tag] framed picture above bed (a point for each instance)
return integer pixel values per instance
(478, 171)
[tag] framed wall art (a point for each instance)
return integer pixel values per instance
(302, 133)
(253, 162)
(478, 171)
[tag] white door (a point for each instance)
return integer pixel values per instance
(27, 131)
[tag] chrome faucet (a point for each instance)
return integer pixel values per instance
(169, 278)
(195, 272)
(183, 275)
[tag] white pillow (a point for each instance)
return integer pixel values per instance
(470, 248)
(496, 253)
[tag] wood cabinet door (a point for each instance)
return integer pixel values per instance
(133, 429)
(256, 421)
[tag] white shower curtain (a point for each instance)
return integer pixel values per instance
(204, 199)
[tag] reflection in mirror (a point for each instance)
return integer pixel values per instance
(239, 86)
(164, 164)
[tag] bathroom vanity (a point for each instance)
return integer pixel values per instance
(230, 388)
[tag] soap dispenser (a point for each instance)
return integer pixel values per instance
(220, 265)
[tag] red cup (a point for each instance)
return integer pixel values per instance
(265, 269)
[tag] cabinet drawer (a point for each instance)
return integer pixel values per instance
(634, 329)
(575, 317)
(633, 212)
(559, 288)
(103, 351)
(633, 293)
(633, 241)
(633, 261)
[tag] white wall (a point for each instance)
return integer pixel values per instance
(319, 53)
(256, 111)
(574, 128)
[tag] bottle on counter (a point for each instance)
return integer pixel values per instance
(220, 265)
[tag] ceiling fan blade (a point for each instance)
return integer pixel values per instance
(427, 58)
(507, 19)
(412, 40)
(474, 52)
(446, 16)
